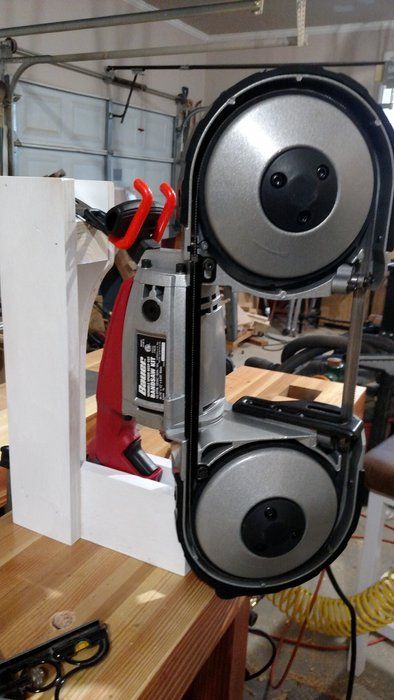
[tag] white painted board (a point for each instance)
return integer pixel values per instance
(132, 515)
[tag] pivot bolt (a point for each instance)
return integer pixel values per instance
(209, 269)
(278, 180)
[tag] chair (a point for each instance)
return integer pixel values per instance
(379, 478)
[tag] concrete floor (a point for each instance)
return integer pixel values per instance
(317, 675)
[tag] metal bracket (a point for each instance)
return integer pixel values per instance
(259, 7)
(348, 279)
(122, 116)
(340, 283)
(7, 48)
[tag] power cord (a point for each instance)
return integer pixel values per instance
(259, 633)
(298, 642)
(249, 676)
(353, 632)
(276, 684)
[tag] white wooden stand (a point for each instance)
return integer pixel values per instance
(51, 267)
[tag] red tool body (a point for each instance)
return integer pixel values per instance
(117, 443)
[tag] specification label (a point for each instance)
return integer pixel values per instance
(151, 368)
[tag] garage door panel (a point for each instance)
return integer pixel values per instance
(52, 117)
(58, 129)
(88, 168)
(159, 128)
(41, 119)
(128, 138)
(143, 134)
(155, 174)
(34, 162)
(88, 124)
(125, 171)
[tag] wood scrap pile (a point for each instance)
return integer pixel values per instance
(251, 324)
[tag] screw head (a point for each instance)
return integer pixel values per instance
(322, 172)
(270, 513)
(278, 180)
(303, 217)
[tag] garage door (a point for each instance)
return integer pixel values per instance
(58, 129)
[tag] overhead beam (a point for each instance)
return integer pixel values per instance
(104, 76)
(240, 66)
(156, 51)
(131, 18)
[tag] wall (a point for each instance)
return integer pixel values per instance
(21, 12)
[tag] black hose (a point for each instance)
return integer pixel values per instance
(314, 367)
(261, 363)
(379, 342)
(300, 359)
(306, 341)
(325, 342)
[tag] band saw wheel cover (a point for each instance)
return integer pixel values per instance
(280, 507)
(289, 180)
(284, 168)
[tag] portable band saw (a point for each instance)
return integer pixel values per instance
(287, 191)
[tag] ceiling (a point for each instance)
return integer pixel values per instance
(281, 14)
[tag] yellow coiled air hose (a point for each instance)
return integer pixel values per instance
(374, 608)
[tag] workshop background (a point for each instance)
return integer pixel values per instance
(64, 119)
(67, 118)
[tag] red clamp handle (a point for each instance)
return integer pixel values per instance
(138, 220)
(166, 214)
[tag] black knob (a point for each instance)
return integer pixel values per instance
(298, 189)
(273, 527)
(151, 310)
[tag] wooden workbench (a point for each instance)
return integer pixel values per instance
(171, 637)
